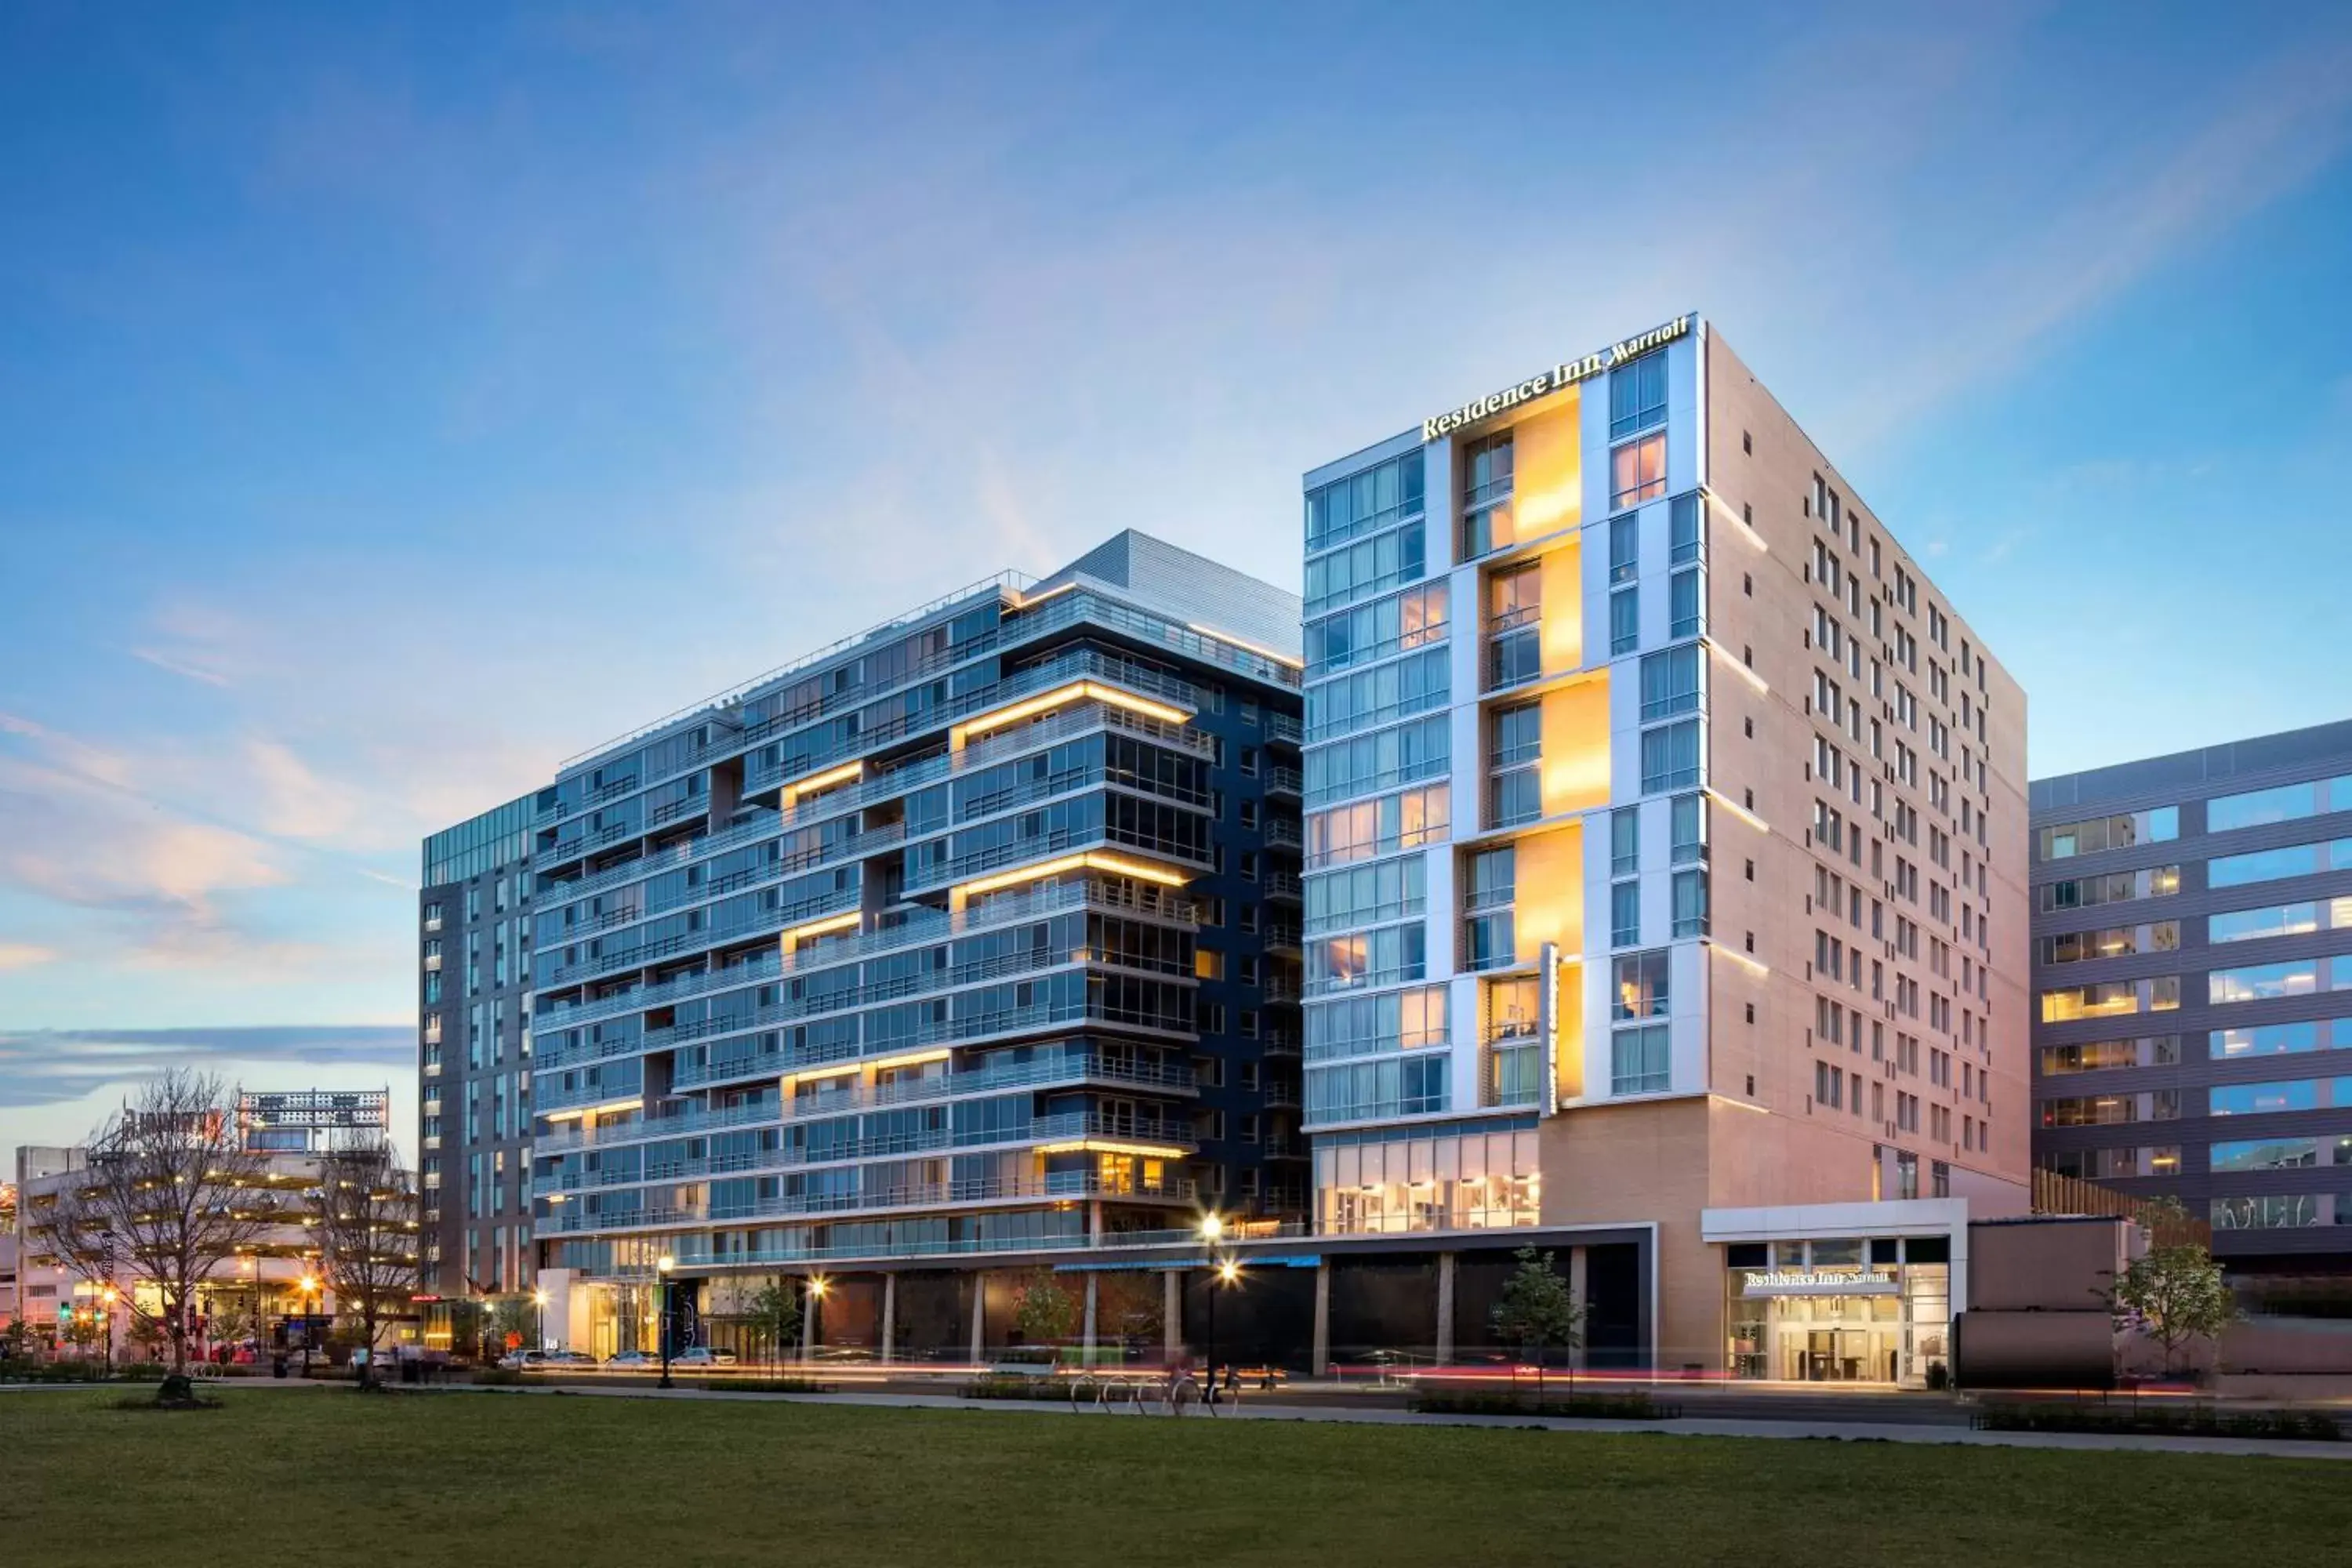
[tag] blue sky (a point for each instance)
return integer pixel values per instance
(397, 402)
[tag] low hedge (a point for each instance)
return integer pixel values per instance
(766, 1385)
(2160, 1420)
(1016, 1388)
(1630, 1405)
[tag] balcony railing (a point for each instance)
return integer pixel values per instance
(1282, 833)
(1285, 780)
(941, 1194)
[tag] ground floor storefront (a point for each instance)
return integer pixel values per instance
(1841, 1292)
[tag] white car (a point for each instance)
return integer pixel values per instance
(523, 1361)
(702, 1355)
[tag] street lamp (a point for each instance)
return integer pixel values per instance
(1228, 1274)
(106, 1295)
(817, 1285)
(307, 1289)
(539, 1300)
(666, 1264)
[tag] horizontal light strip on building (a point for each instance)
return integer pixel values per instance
(1046, 703)
(846, 771)
(1118, 865)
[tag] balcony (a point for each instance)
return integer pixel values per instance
(1283, 833)
(1285, 727)
(992, 1193)
(1280, 781)
(772, 921)
(1050, 1074)
(1283, 885)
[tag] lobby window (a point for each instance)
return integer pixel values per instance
(1637, 395)
(1637, 472)
(1486, 495)
(1640, 1060)
(1670, 757)
(2278, 1211)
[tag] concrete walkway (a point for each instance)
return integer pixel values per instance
(1687, 1427)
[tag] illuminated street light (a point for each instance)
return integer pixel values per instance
(664, 1267)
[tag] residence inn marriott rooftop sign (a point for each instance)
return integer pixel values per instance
(1544, 383)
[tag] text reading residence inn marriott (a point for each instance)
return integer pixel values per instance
(1632, 861)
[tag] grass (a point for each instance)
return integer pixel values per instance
(520, 1480)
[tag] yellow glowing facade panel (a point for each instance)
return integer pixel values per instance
(1110, 1146)
(1062, 695)
(1563, 607)
(876, 1064)
(1548, 472)
(1576, 746)
(1548, 902)
(826, 927)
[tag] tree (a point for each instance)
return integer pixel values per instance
(366, 1219)
(1044, 1310)
(2174, 1294)
(1538, 1311)
(169, 1193)
(775, 1316)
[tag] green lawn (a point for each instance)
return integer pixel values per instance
(501, 1481)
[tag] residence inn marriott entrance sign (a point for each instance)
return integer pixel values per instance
(1848, 1309)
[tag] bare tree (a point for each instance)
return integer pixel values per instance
(169, 1194)
(367, 1231)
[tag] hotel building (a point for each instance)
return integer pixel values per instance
(2192, 960)
(973, 937)
(1666, 866)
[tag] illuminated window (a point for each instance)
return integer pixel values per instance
(1637, 472)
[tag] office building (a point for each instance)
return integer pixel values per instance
(1665, 868)
(2192, 961)
(972, 937)
(473, 1059)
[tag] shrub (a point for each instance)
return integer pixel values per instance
(766, 1385)
(496, 1377)
(1631, 1404)
(2162, 1420)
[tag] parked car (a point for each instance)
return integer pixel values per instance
(702, 1355)
(523, 1361)
(570, 1358)
(632, 1360)
(839, 1354)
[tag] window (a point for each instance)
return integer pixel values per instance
(2158, 995)
(1365, 568)
(1625, 549)
(2263, 1154)
(2263, 1099)
(1625, 914)
(2281, 1211)
(1639, 986)
(2156, 1050)
(1686, 530)
(1690, 903)
(1406, 1020)
(1688, 814)
(2085, 892)
(1640, 1060)
(2261, 982)
(1514, 742)
(2099, 833)
(1670, 757)
(2285, 804)
(1670, 683)
(1364, 503)
(1486, 495)
(1637, 472)
(1686, 603)
(2277, 920)
(2271, 1039)
(2268, 865)
(1624, 840)
(1637, 395)
(1625, 621)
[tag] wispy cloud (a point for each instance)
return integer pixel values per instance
(46, 1067)
(162, 661)
(24, 955)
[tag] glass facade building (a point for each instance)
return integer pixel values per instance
(2192, 964)
(976, 934)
